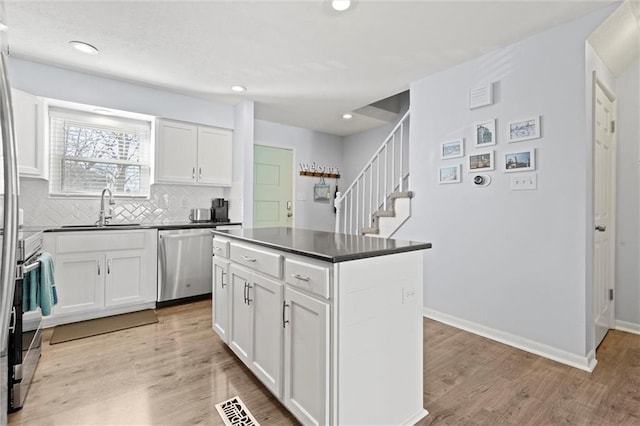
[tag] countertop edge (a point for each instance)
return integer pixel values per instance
(326, 258)
(142, 226)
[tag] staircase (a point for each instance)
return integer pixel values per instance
(378, 202)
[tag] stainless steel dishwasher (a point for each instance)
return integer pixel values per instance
(184, 263)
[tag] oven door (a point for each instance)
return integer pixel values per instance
(25, 340)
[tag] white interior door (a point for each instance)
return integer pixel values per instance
(604, 212)
(273, 187)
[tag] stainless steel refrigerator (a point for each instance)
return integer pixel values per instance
(9, 214)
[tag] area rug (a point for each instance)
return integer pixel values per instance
(234, 413)
(82, 329)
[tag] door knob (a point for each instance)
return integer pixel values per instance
(601, 228)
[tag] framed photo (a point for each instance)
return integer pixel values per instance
(520, 161)
(452, 149)
(485, 133)
(449, 174)
(524, 129)
(481, 162)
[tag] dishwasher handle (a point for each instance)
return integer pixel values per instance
(187, 235)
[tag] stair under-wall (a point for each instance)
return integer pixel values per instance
(386, 222)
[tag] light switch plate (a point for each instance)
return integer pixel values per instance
(524, 181)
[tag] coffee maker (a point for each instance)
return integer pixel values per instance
(219, 210)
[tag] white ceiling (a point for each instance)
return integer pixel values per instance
(303, 63)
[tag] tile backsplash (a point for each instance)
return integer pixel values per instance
(167, 203)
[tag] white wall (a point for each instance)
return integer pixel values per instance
(513, 262)
(628, 208)
(357, 150)
(57, 83)
(309, 146)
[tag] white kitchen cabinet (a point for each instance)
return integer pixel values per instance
(187, 153)
(220, 294)
(102, 273)
(306, 357)
(29, 122)
(255, 331)
(79, 282)
(240, 316)
(125, 280)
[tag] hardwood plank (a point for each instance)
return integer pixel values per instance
(173, 372)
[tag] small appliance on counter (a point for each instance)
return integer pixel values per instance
(220, 210)
(200, 215)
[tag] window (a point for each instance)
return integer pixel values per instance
(90, 152)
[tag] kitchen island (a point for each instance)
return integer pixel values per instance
(330, 323)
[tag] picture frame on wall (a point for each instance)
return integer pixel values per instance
(524, 130)
(449, 174)
(452, 149)
(485, 133)
(520, 161)
(481, 162)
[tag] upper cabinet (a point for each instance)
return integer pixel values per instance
(193, 154)
(29, 121)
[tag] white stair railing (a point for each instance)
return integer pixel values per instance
(385, 173)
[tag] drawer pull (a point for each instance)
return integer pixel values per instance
(248, 259)
(217, 248)
(300, 277)
(285, 305)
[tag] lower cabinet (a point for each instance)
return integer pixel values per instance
(220, 294)
(101, 273)
(255, 329)
(306, 357)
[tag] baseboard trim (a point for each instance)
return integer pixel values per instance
(629, 327)
(586, 363)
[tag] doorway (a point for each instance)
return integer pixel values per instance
(272, 187)
(604, 201)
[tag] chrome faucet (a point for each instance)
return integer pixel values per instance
(104, 216)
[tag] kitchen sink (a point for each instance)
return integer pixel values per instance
(109, 225)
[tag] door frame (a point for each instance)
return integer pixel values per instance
(293, 177)
(597, 82)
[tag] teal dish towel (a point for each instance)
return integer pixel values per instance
(47, 293)
(30, 285)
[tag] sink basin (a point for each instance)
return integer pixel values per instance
(109, 225)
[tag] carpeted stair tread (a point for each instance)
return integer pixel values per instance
(369, 230)
(402, 194)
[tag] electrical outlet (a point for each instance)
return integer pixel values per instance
(524, 181)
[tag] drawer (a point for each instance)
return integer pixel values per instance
(220, 247)
(255, 258)
(310, 277)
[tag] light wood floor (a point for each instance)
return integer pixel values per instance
(173, 373)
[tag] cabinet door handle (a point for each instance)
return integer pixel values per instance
(108, 266)
(200, 173)
(193, 173)
(98, 268)
(222, 284)
(248, 259)
(300, 277)
(249, 287)
(284, 307)
(245, 292)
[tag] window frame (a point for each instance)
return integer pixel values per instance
(85, 114)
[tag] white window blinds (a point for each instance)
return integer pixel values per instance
(89, 152)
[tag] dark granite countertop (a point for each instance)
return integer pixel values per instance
(133, 226)
(327, 246)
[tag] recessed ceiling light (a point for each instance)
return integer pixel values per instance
(84, 47)
(347, 116)
(341, 5)
(238, 88)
